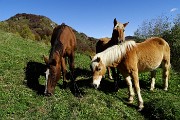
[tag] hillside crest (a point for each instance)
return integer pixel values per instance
(40, 28)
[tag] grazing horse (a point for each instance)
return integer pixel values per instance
(131, 58)
(118, 36)
(63, 43)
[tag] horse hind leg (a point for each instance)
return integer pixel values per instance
(153, 75)
(166, 68)
(135, 77)
(71, 66)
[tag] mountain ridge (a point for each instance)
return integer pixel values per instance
(40, 28)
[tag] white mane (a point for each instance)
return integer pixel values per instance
(114, 53)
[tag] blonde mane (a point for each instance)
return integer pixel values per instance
(114, 53)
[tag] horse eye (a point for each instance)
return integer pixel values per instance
(98, 69)
(48, 66)
(91, 68)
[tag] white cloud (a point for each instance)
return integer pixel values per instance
(173, 9)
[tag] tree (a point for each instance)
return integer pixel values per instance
(153, 27)
(173, 38)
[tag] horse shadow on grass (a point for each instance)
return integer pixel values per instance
(33, 71)
(76, 87)
(82, 77)
(106, 86)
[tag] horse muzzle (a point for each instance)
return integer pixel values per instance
(95, 86)
(96, 82)
(46, 93)
(120, 40)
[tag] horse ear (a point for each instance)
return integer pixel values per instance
(91, 56)
(46, 60)
(125, 24)
(98, 59)
(115, 22)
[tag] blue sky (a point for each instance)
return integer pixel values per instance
(93, 17)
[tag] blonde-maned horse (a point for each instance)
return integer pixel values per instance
(131, 58)
(118, 36)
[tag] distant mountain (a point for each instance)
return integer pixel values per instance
(35, 27)
(130, 38)
(40, 28)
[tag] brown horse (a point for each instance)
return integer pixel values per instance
(63, 43)
(118, 36)
(131, 58)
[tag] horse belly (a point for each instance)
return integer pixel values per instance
(145, 66)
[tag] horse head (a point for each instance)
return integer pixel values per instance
(52, 74)
(118, 31)
(98, 69)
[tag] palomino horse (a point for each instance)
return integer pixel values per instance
(63, 43)
(118, 36)
(131, 58)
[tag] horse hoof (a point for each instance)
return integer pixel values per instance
(151, 89)
(78, 95)
(165, 89)
(110, 77)
(140, 107)
(116, 90)
(130, 101)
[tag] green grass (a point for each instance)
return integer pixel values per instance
(17, 101)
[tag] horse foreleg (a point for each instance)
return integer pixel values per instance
(115, 76)
(153, 75)
(137, 88)
(109, 73)
(64, 72)
(130, 88)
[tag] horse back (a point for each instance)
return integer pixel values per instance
(149, 54)
(66, 36)
(103, 44)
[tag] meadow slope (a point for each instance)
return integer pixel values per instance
(20, 98)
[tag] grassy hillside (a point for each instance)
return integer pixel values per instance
(40, 28)
(21, 98)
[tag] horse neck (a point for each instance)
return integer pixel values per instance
(57, 48)
(111, 56)
(114, 40)
(57, 32)
(115, 53)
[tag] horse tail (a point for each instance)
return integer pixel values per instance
(167, 51)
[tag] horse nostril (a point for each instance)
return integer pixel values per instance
(95, 86)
